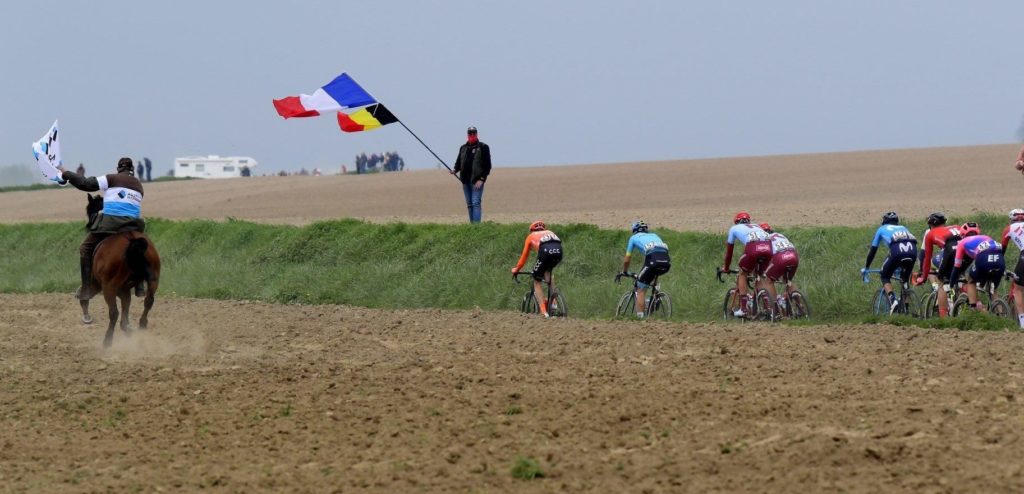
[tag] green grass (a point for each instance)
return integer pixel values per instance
(445, 266)
(526, 468)
(19, 188)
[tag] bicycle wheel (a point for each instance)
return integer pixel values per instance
(999, 308)
(799, 308)
(961, 304)
(627, 305)
(765, 307)
(909, 303)
(529, 305)
(727, 307)
(557, 307)
(930, 305)
(660, 307)
(880, 303)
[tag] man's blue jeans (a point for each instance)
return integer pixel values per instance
(473, 198)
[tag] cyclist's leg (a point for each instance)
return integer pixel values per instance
(889, 266)
(945, 268)
(655, 264)
(538, 288)
(1018, 290)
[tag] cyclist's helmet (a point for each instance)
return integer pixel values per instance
(936, 219)
(890, 218)
(639, 226)
(1017, 214)
(970, 228)
(741, 217)
(537, 226)
(766, 227)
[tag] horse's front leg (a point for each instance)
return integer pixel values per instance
(86, 318)
(111, 298)
(126, 302)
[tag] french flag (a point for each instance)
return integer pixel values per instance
(342, 92)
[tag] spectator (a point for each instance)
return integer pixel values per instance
(148, 167)
(245, 171)
(361, 163)
(473, 165)
(373, 161)
(316, 172)
(1020, 160)
(81, 170)
(303, 172)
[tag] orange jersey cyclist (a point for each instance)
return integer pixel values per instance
(548, 247)
(656, 260)
(945, 237)
(757, 255)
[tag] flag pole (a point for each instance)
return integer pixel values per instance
(426, 146)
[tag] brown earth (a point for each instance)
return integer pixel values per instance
(811, 189)
(246, 397)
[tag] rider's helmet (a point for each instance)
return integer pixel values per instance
(890, 218)
(537, 226)
(639, 226)
(936, 219)
(766, 227)
(125, 165)
(970, 228)
(1017, 214)
(741, 217)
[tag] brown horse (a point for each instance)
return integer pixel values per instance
(120, 262)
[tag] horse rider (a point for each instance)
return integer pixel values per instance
(122, 212)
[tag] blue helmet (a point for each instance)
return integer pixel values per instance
(639, 226)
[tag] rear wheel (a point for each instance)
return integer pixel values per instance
(880, 303)
(999, 308)
(930, 305)
(661, 306)
(766, 310)
(558, 307)
(910, 304)
(627, 304)
(798, 306)
(730, 304)
(961, 304)
(529, 305)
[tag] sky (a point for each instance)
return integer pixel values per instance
(546, 82)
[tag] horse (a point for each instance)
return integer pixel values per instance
(120, 262)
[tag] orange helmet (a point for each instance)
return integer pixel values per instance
(766, 227)
(970, 228)
(741, 217)
(537, 226)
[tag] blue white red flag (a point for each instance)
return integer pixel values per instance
(342, 92)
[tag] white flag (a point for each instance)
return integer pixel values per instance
(47, 153)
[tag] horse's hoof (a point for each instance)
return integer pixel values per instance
(86, 319)
(107, 342)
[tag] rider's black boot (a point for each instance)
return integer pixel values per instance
(85, 291)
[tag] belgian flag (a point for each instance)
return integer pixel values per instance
(369, 118)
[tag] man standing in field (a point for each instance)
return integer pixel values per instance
(1020, 160)
(473, 165)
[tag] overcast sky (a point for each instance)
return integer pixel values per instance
(546, 82)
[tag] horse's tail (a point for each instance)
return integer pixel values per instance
(135, 257)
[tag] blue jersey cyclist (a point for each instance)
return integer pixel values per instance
(902, 247)
(656, 260)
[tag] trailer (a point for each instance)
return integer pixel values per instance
(213, 166)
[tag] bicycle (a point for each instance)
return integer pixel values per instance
(930, 303)
(908, 302)
(996, 305)
(556, 301)
(759, 307)
(658, 304)
(1009, 298)
(797, 306)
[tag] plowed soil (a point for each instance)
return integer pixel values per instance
(811, 189)
(246, 397)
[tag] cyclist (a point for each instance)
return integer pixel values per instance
(549, 254)
(783, 265)
(757, 254)
(1015, 231)
(656, 260)
(902, 253)
(988, 263)
(945, 238)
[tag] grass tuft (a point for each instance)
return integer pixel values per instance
(526, 468)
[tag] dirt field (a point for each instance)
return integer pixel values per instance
(812, 189)
(243, 397)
